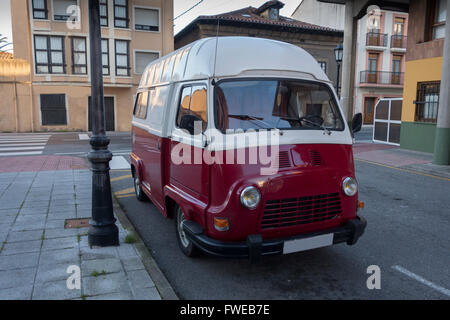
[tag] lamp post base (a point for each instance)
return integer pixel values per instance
(103, 236)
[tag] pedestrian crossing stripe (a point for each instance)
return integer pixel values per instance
(22, 144)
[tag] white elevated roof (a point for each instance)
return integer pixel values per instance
(236, 56)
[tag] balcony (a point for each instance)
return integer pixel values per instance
(375, 39)
(381, 77)
(398, 41)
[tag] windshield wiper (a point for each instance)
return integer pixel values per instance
(250, 118)
(326, 130)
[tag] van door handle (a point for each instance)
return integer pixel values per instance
(159, 145)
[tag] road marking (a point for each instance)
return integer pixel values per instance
(125, 196)
(404, 170)
(422, 280)
(4, 154)
(21, 148)
(121, 177)
(22, 144)
(83, 136)
(124, 191)
(118, 162)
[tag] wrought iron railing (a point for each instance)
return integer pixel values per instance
(381, 77)
(376, 39)
(398, 41)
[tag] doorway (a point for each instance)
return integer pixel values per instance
(369, 104)
(109, 114)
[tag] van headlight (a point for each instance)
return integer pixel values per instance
(349, 186)
(250, 197)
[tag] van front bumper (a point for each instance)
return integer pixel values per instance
(255, 247)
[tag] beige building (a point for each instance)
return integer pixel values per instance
(53, 36)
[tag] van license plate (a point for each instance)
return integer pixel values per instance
(308, 243)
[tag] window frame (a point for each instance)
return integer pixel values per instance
(45, 10)
(66, 17)
(109, 59)
(142, 51)
(65, 110)
(127, 13)
(107, 14)
(146, 8)
(128, 68)
(432, 24)
(135, 110)
(180, 95)
(73, 56)
(420, 102)
(49, 51)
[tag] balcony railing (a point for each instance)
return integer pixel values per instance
(376, 39)
(398, 41)
(381, 77)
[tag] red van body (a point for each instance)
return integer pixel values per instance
(308, 202)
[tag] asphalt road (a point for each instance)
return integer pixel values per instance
(408, 229)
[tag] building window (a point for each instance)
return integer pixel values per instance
(79, 56)
(146, 19)
(427, 101)
(122, 57)
(323, 65)
(396, 69)
(49, 54)
(121, 14)
(53, 109)
(142, 59)
(40, 9)
(373, 66)
(60, 9)
(104, 13)
(105, 56)
(438, 13)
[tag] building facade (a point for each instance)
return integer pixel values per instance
(379, 52)
(55, 42)
(266, 22)
(423, 74)
(380, 60)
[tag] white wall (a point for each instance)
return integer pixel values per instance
(323, 14)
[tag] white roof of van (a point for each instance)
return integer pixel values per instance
(236, 56)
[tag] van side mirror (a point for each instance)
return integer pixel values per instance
(356, 123)
(188, 123)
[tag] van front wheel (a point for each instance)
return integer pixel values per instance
(186, 245)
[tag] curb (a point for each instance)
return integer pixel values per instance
(162, 284)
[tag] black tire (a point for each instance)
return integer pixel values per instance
(140, 195)
(186, 245)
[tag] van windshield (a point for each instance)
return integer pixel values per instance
(270, 104)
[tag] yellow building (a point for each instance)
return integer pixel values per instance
(53, 36)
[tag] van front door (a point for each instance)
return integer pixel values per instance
(188, 171)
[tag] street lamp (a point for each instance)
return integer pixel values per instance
(103, 230)
(338, 51)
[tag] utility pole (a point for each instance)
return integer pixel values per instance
(103, 231)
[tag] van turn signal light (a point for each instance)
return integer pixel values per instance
(360, 204)
(221, 224)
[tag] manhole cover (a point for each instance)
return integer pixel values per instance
(76, 223)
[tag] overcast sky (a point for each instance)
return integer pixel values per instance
(207, 7)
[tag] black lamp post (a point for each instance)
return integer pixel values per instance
(103, 230)
(338, 51)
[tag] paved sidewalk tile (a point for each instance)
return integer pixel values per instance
(110, 283)
(69, 256)
(21, 247)
(54, 291)
(16, 278)
(110, 265)
(51, 273)
(18, 261)
(60, 243)
(147, 294)
(24, 236)
(16, 293)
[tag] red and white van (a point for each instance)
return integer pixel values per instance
(199, 122)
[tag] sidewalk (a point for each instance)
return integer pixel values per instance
(394, 156)
(36, 249)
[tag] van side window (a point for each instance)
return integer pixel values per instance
(140, 108)
(193, 102)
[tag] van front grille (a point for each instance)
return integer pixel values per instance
(296, 211)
